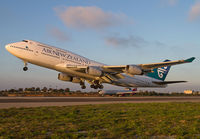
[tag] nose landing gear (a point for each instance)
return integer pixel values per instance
(25, 68)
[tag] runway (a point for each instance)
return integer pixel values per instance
(9, 102)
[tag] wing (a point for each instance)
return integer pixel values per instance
(113, 72)
(163, 64)
(146, 67)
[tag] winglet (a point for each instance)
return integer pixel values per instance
(189, 59)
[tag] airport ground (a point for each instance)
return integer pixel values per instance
(129, 120)
(17, 102)
(52, 92)
(169, 116)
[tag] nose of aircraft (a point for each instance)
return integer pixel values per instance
(7, 47)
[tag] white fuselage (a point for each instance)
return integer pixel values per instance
(58, 59)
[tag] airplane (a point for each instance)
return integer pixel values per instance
(127, 91)
(78, 69)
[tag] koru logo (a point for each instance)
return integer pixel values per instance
(161, 71)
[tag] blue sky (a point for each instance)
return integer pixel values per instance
(112, 32)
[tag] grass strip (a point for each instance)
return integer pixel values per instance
(143, 120)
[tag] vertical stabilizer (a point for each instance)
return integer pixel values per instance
(159, 73)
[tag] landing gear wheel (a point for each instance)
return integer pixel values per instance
(83, 87)
(101, 86)
(25, 68)
(82, 83)
(92, 86)
(95, 87)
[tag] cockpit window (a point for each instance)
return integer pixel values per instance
(24, 40)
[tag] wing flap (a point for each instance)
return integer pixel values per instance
(118, 69)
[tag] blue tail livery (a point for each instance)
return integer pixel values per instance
(159, 73)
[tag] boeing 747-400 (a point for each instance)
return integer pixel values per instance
(78, 69)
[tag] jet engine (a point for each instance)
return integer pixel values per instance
(134, 70)
(95, 71)
(65, 77)
(76, 80)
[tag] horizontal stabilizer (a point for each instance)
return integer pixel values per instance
(168, 82)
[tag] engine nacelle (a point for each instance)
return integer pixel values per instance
(95, 71)
(76, 80)
(65, 77)
(134, 70)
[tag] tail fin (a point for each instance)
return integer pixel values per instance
(159, 73)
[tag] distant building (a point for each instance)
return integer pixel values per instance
(188, 91)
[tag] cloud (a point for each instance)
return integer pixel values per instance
(58, 34)
(194, 12)
(169, 2)
(130, 41)
(158, 43)
(89, 17)
(172, 2)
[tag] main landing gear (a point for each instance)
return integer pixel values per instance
(25, 68)
(96, 84)
(82, 85)
(100, 86)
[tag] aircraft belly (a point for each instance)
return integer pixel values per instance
(126, 83)
(136, 81)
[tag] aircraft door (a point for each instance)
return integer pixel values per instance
(36, 52)
(62, 59)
